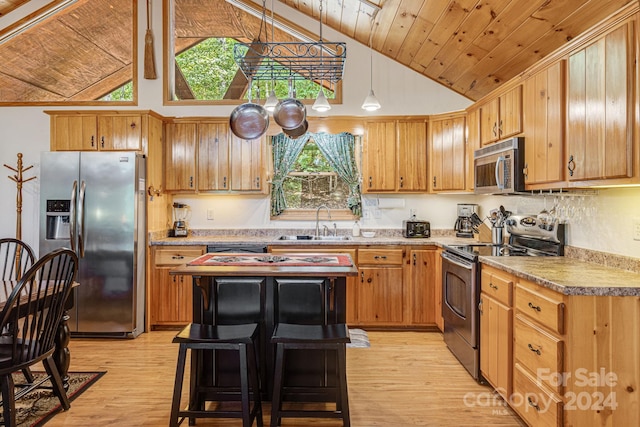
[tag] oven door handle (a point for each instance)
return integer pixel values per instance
(456, 261)
(500, 185)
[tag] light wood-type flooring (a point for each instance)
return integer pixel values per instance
(404, 379)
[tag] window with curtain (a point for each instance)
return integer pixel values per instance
(315, 169)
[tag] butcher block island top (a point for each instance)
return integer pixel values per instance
(251, 264)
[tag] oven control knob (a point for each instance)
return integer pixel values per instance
(511, 222)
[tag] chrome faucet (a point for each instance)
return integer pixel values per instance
(318, 218)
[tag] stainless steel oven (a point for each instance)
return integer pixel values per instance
(460, 295)
(528, 236)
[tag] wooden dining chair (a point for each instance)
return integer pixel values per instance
(29, 320)
(16, 257)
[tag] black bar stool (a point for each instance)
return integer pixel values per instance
(218, 337)
(314, 337)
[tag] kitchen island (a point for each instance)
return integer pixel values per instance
(235, 288)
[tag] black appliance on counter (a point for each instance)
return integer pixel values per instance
(461, 281)
(416, 228)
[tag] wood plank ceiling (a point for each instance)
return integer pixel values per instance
(470, 46)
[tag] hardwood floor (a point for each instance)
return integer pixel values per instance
(404, 379)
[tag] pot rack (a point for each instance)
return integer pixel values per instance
(318, 61)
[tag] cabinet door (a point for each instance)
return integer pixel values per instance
(180, 157)
(74, 133)
(423, 286)
(119, 132)
(600, 109)
(448, 154)
(164, 291)
(472, 144)
(543, 125)
(412, 156)
(380, 296)
(247, 164)
(213, 156)
(496, 344)
(510, 115)
(489, 116)
(379, 157)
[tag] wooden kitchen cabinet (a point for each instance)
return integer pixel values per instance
(501, 117)
(472, 143)
(380, 291)
(98, 131)
(180, 157)
(248, 159)
(600, 116)
(395, 156)
(496, 329)
(213, 157)
(204, 155)
(170, 299)
(544, 117)
(423, 282)
(447, 152)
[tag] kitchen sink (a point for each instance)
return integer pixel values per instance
(310, 237)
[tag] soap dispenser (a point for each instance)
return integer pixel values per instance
(355, 231)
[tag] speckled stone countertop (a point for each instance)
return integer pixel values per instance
(570, 276)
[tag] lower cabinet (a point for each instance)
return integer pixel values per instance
(171, 297)
(380, 291)
(423, 282)
(496, 329)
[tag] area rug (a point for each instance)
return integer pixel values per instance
(36, 408)
(359, 339)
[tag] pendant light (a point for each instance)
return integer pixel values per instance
(371, 103)
(272, 99)
(322, 103)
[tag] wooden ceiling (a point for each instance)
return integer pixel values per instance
(470, 46)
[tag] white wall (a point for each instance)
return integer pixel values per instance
(400, 91)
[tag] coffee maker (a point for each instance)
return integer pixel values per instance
(180, 215)
(464, 225)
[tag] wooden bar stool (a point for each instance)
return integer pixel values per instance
(240, 338)
(313, 337)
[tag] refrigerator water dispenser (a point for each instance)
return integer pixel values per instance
(58, 212)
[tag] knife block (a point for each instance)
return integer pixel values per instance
(483, 235)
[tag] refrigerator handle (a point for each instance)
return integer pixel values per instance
(72, 216)
(81, 236)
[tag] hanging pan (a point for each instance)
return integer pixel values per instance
(290, 113)
(297, 132)
(249, 120)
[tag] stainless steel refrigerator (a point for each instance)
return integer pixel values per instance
(94, 203)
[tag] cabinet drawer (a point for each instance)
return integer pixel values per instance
(537, 406)
(176, 256)
(545, 306)
(498, 286)
(540, 352)
(380, 256)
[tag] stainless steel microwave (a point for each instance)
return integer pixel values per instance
(499, 167)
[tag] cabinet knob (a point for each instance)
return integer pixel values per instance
(257, 182)
(533, 404)
(133, 125)
(492, 286)
(370, 182)
(533, 349)
(177, 257)
(525, 171)
(380, 257)
(102, 142)
(401, 182)
(434, 182)
(224, 182)
(93, 142)
(191, 182)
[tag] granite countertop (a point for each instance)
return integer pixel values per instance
(569, 276)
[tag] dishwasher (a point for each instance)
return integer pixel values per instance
(239, 248)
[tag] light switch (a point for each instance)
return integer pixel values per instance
(636, 229)
(210, 214)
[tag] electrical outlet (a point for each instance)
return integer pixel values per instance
(636, 229)
(210, 214)
(366, 214)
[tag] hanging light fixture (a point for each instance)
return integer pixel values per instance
(272, 99)
(322, 104)
(371, 103)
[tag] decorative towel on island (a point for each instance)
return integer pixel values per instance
(292, 260)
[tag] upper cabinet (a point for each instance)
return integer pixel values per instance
(395, 156)
(501, 117)
(204, 155)
(90, 131)
(447, 152)
(600, 109)
(544, 101)
(472, 143)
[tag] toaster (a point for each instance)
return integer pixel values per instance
(416, 228)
